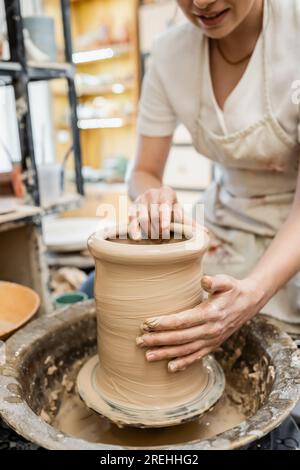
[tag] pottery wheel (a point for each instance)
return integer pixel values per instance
(150, 418)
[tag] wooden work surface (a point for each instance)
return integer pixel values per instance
(11, 209)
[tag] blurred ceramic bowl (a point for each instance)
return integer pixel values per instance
(18, 304)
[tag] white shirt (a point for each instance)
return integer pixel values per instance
(171, 86)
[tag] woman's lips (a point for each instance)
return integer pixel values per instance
(211, 19)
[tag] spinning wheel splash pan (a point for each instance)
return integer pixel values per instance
(69, 336)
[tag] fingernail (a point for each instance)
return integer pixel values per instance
(206, 282)
(172, 367)
(150, 356)
(136, 236)
(150, 324)
(139, 341)
(145, 327)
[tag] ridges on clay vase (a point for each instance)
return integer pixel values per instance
(135, 281)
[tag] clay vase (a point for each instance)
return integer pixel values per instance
(134, 282)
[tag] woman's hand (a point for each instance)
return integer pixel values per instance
(188, 336)
(152, 213)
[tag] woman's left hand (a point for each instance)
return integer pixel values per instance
(190, 335)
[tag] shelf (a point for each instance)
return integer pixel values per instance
(117, 88)
(13, 212)
(9, 68)
(49, 70)
(104, 53)
(114, 54)
(26, 71)
(105, 123)
(38, 70)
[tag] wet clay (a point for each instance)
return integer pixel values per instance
(151, 417)
(245, 359)
(76, 419)
(133, 283)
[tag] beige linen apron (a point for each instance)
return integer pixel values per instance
(247, 205)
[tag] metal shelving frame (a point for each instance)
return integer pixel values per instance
(22, 72)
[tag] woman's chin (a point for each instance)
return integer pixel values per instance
(215, 33)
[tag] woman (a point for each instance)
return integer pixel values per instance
(227, 75)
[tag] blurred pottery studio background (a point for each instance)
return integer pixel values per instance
(70, 81)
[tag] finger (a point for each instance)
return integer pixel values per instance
(188, 220)
(167, 198)
(182, 363)
(143, 218)
(181, 217)
(153, 197)
(154, 218)
(134, 229)
(218, 283)
(171, 338)
(132, 212)
(178, 214)
(186, 319)
(153, 355)
(165, 215)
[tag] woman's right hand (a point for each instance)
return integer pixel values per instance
(153, 212)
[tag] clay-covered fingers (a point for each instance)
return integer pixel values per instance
(206, 311)
(161, 212)
(218, 283)
(182, 336)
(181, 217)
(153, 212)
(165, 218)
(139, 219)
(171, 352)
(134, 228)
(155, 230)
(167, 201)
(178, 214)
(183, 362)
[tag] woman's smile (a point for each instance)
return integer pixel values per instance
(212, 19)
(219, 18)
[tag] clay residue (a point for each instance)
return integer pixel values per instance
(248, 378)
(76, 420)
(69, 414)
